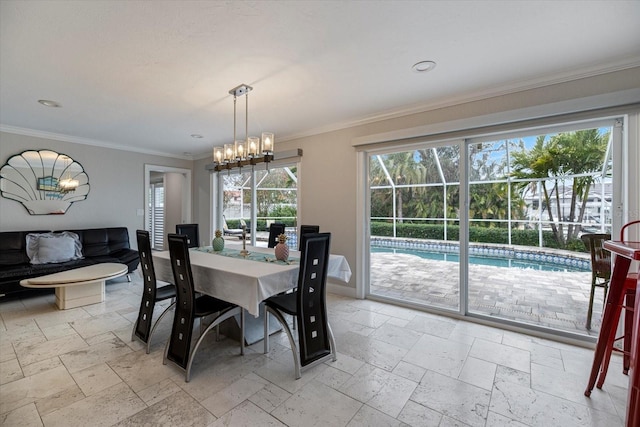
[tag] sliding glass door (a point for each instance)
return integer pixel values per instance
(414, 226)
(530, 196)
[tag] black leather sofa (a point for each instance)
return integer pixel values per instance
(98, 245)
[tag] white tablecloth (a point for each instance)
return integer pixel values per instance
(244, 282)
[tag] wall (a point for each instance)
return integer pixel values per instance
(117, 186)
(328, 178)
(173, 203)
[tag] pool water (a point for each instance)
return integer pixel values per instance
(481, 260)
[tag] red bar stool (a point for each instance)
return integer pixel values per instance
(621, 296)
(630, 285)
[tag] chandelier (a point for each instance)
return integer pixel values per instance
(67, 184)
(243, 152)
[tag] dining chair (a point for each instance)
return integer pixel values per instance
(308, 306)
(275, 229)
(230, 231)
(144, 327)
(191, 231)
(600, 267)
(305, 229)
(189, 307)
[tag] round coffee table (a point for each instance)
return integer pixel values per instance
(80, 286)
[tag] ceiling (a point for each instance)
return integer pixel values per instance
(146, 75)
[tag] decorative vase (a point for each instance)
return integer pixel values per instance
(218, 242)
(281, 249)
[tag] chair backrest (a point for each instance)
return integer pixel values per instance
(191, 231)
(600, 257)
(143, 326)
(275, 230)
(180, 341)
(313, 335)
(305, 229)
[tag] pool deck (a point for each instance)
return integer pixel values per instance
(552, 299)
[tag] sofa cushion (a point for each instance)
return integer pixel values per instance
(12, 247)
(45, 248)
(95, 242)
(126, 256)
(118, 239)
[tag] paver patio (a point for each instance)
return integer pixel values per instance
(546, 298)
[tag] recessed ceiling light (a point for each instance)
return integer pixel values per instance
(423, 66)
(195, 135)
(49, 103)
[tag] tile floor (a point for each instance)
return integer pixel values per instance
(395, 367)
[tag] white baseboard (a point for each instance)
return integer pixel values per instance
(345, 291)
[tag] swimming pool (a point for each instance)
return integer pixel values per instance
(491, 255)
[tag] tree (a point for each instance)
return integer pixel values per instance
(557, 160)
(404, 171)
(489, 189)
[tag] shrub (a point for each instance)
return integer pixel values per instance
(476, 234)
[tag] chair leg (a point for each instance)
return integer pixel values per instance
(332, 343)
(155, 325)
(221, 317)
(285, 326)
(590, 311)
(133, 332)
(128, 278)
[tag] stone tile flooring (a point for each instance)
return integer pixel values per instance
(557, 300)
(395, 367)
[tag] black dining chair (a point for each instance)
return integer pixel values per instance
(191, 231)
(275, 230)
(144, 327)
(305, 229)
(189, 307)
(308, 306)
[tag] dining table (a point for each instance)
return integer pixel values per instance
(245, 280)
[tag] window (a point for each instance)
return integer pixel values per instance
(276, 200)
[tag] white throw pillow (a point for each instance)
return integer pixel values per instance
(47, 248)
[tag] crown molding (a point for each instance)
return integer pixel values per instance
(86, 141)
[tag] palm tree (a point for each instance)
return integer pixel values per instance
(585, 152)
(404, 171)
(570, 153)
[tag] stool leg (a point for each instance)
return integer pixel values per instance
(615, 299)
(628, 331)
(604, 365)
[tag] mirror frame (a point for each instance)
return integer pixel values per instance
(45, 182)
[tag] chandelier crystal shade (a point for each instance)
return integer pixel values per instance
(243, 152)
(68, 184)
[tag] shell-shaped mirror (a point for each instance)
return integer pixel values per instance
(45, 182)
